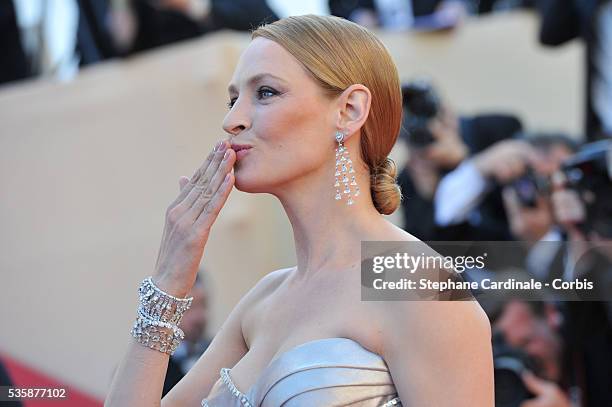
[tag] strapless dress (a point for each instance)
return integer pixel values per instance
(319, 373)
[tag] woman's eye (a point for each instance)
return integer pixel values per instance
(264, 93)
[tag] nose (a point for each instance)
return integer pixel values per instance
(237, 119)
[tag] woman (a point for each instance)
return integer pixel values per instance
(304, 88)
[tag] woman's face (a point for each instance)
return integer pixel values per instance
(280, 112)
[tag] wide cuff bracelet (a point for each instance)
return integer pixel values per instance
(158, 305)
(157, 335)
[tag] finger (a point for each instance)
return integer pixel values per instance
(534, 384)
(182, 182)
(519, 168)
(503, 172)
(224, 168)
(511, 201)
(511, 169)
(559, 180)
(198, 173)
(213, 166)
(210, 210)
(531, 155)
(196, 192)
(197, 178)
(193, 180)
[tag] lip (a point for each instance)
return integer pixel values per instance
(238, 147)
(241, 150)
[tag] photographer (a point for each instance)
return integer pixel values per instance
(527, 348)
(438, 141)
(583, 193)
(528, 205)
(522, 167)
(581, 201)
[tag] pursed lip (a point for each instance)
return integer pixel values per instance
(238, 147)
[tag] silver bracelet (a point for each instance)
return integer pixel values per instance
(159, 314)
(157, 335)
(158, 305)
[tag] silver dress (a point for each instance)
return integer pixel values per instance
(323, 372)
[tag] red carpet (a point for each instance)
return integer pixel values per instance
(26, 376)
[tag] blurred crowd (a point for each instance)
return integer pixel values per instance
(42, 37)
(487, 178)
(57, 37)
(479, 178)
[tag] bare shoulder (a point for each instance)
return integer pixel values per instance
(452, 318)
(273, 279)
(253, 301)
(393, 232)
(267, 285)
(446, 340)
(446, 320)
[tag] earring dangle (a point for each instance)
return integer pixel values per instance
(344, 171)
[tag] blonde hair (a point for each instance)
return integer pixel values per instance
(339, 53)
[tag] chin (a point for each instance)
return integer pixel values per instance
(248, 183)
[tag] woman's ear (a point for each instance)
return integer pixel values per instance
(354, 108)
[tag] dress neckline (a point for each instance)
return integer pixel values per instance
(226, 371)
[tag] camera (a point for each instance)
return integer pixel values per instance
(589, 172)
(530, 186)
(509, 364)
(421, 104)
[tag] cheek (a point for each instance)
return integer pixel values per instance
(289, 141)
(285, 121)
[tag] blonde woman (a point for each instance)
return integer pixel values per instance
(305, 88)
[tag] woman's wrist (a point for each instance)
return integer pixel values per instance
(160, 305)
(174, 286)
(159, 314)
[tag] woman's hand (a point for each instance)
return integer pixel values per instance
(189, 220)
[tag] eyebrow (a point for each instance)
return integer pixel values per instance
(254, 79)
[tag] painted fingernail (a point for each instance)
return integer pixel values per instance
(218, 145)
(223, 146)
(226, 155)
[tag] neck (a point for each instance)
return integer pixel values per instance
(328, 232)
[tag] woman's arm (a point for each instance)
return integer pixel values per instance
(439, 353)
(139, 379)
(143, 369)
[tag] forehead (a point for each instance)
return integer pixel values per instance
(264, 56)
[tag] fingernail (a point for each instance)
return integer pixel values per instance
(226, 155)
(218, 145)
(227, 178)
(223, 146)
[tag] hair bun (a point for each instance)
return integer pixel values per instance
(386, 194)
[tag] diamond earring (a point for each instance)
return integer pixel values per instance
(344, 170)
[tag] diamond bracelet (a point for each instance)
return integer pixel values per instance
(158, 305)
(157, 335)
(159, 314)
